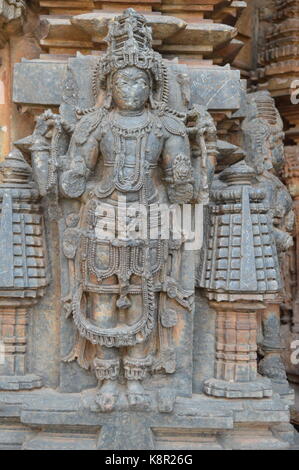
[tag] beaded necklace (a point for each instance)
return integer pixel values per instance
(120, 135)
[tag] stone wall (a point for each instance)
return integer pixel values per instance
(235, 62)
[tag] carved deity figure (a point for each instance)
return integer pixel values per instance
(126, 158)
(263, 137)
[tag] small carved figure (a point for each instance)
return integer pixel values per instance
(263, 136)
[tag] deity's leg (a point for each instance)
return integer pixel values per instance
(137, 360)
(272, 365)
(107, 362)
(107, 372)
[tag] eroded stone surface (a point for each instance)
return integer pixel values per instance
(213, 309)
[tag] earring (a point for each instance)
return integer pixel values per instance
(108, 101)
(152, 102)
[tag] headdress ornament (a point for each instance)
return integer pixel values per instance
(129, 42)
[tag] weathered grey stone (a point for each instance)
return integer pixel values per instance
(39, 83)
(48, 91)
(96, 24)
(195, 423)
(23, 382)
(153, 346)
(211, 34)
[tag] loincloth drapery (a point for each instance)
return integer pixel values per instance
(106, 254)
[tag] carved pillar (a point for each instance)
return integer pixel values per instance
(278, 48)
(22, 268)
(236, 344)
(240, 274)
(291, 176)
(236, 353)
(13, 334)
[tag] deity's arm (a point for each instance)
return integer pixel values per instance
(177, 168)
(283, 217)
(54, 160)
(81, 157)
(41, 148)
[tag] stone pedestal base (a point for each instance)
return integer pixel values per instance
(260, 388)
(47, 420)
(20, 382)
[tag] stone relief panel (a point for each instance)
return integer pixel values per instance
(128, 292)
(149, 325)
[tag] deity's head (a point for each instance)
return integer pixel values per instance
(130, 88)
(263, 133)
(131, 73)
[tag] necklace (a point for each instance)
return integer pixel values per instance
(130, 113)
(120, 135)
(127, 131)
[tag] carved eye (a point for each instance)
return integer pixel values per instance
(121, 82)
(143, 82)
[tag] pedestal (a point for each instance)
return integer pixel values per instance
(236, 354)
(13, 337)
(50, 420)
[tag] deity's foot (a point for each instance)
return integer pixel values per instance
(107, 396)
(137, 397)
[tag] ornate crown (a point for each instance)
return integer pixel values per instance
(129, 35)
(129, 42)
(264, 108)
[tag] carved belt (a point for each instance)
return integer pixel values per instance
(128, 165)
(121, 336)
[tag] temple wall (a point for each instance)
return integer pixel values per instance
(254, 47)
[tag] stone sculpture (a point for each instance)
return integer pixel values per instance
(131, 150)
(151, 323)
(263, 135)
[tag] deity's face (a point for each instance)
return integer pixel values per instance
(130, 89)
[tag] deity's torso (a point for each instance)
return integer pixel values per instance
(128, 265)
(129, 151)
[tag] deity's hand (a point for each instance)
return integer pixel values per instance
(43, 131)
(283, 240)
(180, 193)
(201, 122)
(73, 181)
(43, 166)
(46, 124)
